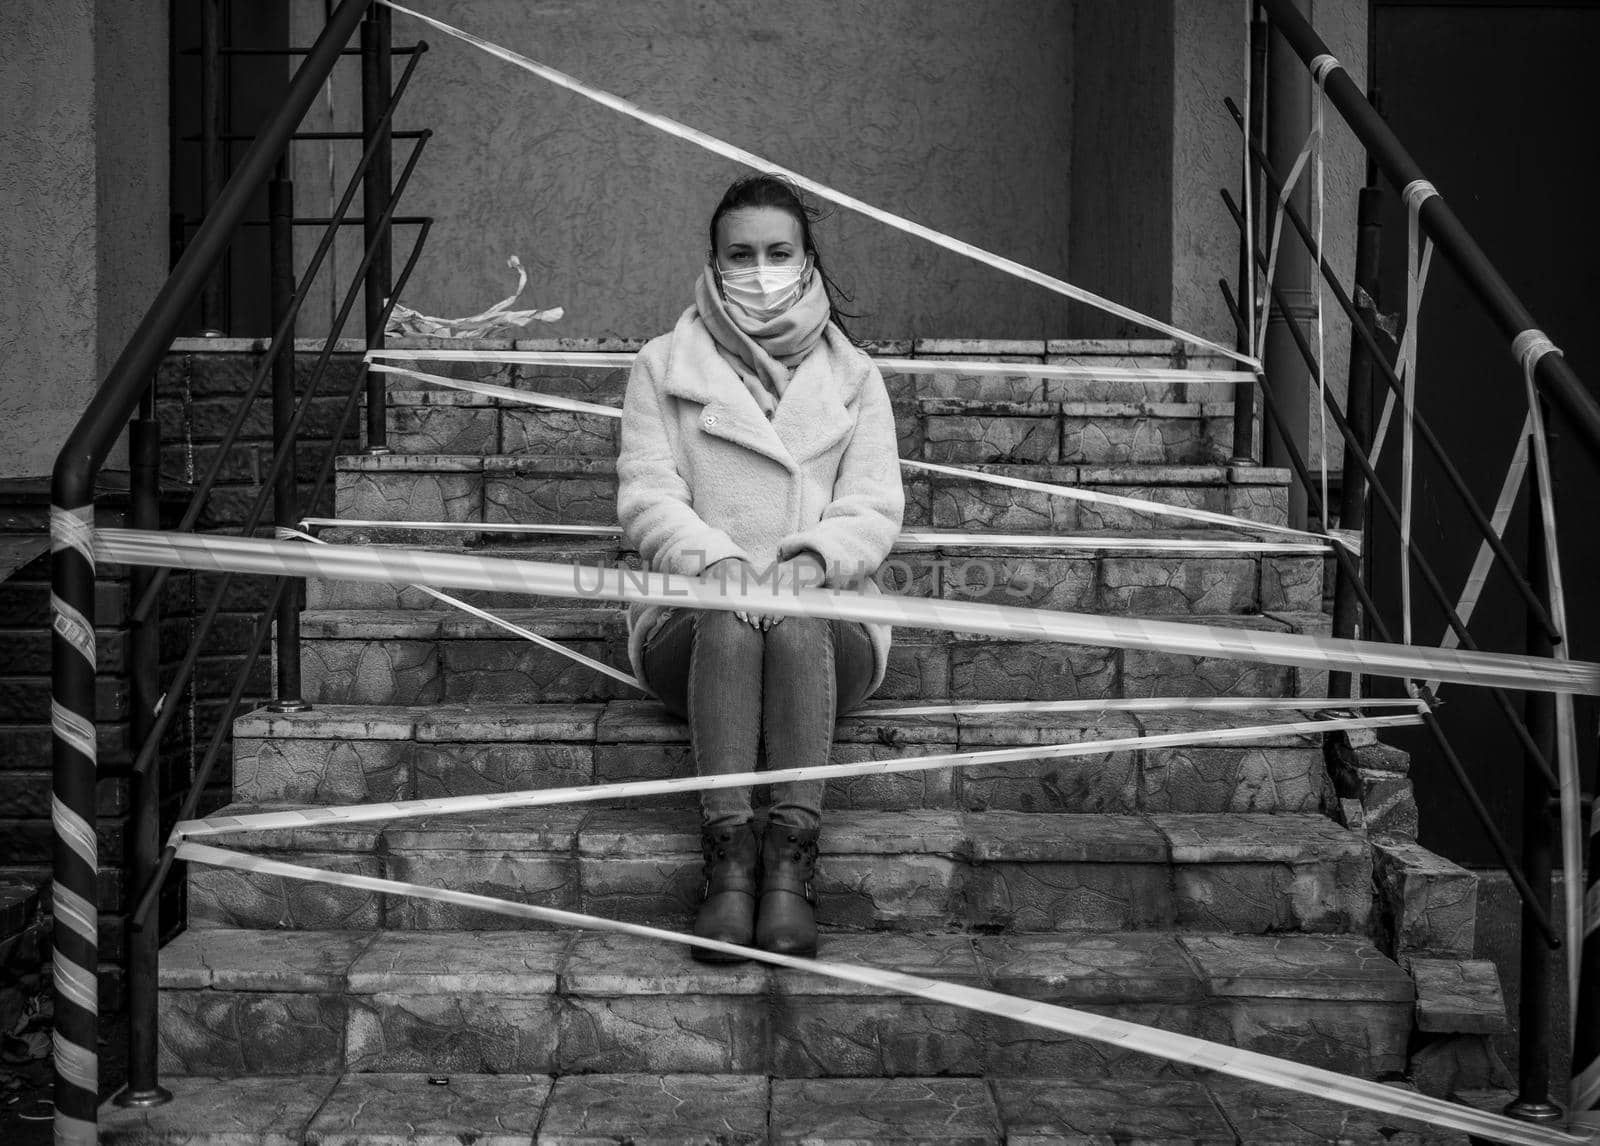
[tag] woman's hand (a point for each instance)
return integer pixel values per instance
(805, 570)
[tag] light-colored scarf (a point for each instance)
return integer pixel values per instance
(763, 352)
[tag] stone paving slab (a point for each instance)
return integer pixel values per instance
(436, 1110)
(530, 1002)
(678, 1109)
(656, 1110)
(1049, 1113)
(842, 1112)
(261, 1111)
(1459, 996)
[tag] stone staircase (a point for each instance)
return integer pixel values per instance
(1221, 891)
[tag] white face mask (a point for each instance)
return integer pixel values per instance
(765, 292)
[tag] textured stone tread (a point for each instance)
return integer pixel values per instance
(880, 871)
(739, 1109)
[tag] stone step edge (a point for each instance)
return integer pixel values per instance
(969, 838)
(1132, 473)
(697, 1107)
(958, 542)
(645, 721)
(1096, 968)
(877, 347)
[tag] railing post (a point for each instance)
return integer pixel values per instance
(1533, 1102)
(144, 689)
(1244, 394)
(75, 759)
(1288, 125)
(1353, 490)
(212, 175)
(376, 86)
(286, 493)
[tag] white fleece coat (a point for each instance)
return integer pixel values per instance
(703, 475)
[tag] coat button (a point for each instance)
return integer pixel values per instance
(709, 421)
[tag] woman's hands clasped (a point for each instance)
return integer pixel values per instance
(805, 570)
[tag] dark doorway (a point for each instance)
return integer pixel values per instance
(251, 88)
(1494, 102)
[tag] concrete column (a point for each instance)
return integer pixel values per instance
(83, 206)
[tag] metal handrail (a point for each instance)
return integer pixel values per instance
(1555, 384)
(125, 391)
(1554, 377)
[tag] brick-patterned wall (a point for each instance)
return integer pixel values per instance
(198, 394)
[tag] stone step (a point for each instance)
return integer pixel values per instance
(941, 377)
(957, 429)
(1110, 579)
(422, 656)
(500, 1109)
(1248, 873)
(346, 754)
(562, 489)
(592, 1002)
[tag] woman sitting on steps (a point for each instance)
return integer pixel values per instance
(758, 443)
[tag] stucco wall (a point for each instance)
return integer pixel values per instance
(83, 207)
(955, 112)
(1209, 64)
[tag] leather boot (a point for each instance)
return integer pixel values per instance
(728, 900)
(786, 922)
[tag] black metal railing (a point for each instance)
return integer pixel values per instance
(128, 392)
(1363, 494)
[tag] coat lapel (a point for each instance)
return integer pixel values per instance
(812, 415)
(697, 373)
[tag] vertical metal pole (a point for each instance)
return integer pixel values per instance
(1244, 394)
(376, 85)
(1288, 125)
(211, 153)
(144, 673)
(1539, 832)
(75, 757)
(286, 499)
(1353, 494)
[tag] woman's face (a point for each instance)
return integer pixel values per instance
(759, 237)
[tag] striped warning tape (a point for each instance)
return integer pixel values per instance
(750, 159)
(325, 817)
(973, 366)
(933, 537)
(1349, 540)
(1173, 1047)
(1144, 704)
(422, 567)
(494, 619)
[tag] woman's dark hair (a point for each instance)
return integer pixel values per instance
(766, 189)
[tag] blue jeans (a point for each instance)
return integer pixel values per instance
(741, 689)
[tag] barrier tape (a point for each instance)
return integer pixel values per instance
(1483, 562)
(1187, 1049)
(465, 526)
(327, 817)
(526, 397)
(1143, 704)
(750, 159)
(889, 365)
(510, 626)
(1140, 505)
(1273, 246)
(1320, 67)
(938, 537)
(410, 566)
